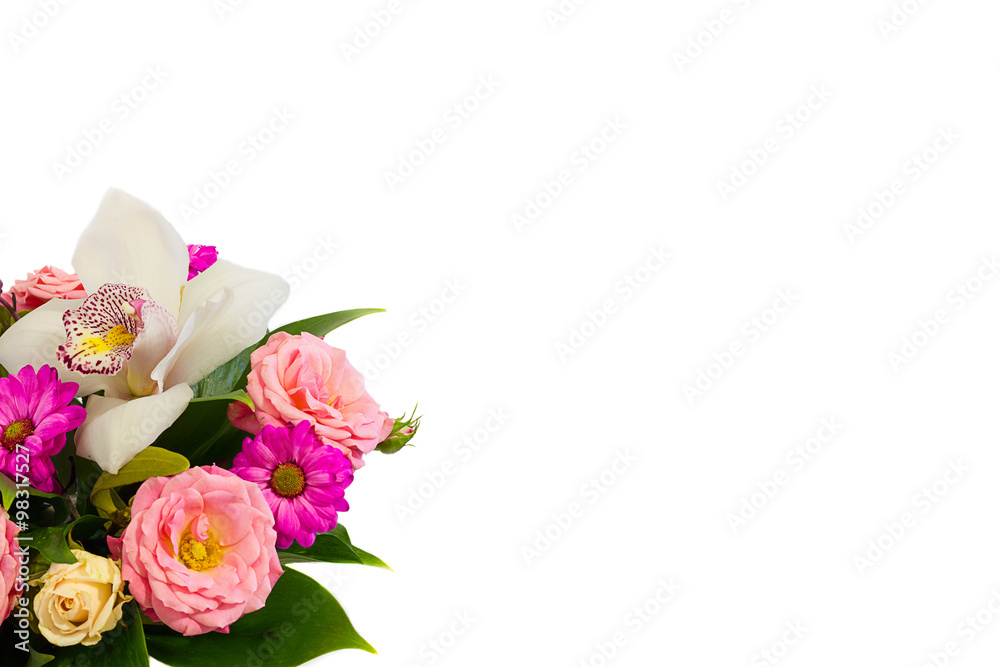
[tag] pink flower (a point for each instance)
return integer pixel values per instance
(10, 562)
(44, 285)
(199, 552)
(301, 378)
(302, 479)
(200, 257)
(36, 413)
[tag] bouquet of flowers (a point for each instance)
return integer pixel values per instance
(164, 456)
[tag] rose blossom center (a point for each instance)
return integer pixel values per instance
(16, 433)
(199, 556)
(288, 480)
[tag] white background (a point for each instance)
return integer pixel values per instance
(525, 289)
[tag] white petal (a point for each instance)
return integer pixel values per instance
(157, 338)
(217, 334)
(33, 340)
(190, 341)
(128, 242)
(117, 430)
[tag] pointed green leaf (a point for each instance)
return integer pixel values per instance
(300, 621)
(150, 462)
(122, 646)
(226, 377)
(7, 491)
(319, 326)
(332, 547)
(55, 542)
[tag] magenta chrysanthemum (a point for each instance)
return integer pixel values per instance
(201, 257)
(35, 415)
(302, 479)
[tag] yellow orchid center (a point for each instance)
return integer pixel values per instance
(100, 333)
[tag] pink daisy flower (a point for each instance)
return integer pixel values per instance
(303, 480)
(200, 258)
(35, 415)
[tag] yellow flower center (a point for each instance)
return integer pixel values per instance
(16, 433)
(199, 556)
(119, 336)
(288, 480)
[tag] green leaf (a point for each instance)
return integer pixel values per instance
(36, 659)
(332, 547)
(122, 646)
(55, 542)
(6, 319)
(226, 377)
(203, 434)
(7, 491)
(238, 395)
(87, 474)
(319, 326)
(300, 621)
(10, 654)
(110, 505)
(150, 462)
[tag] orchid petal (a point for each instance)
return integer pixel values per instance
(116, 430)
(225, 310)
(128, 242)
(158, 336)
(191, 338)
(34, 339)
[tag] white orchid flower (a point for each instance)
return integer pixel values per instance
(145, 333)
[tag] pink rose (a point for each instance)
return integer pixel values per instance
(199, 552)
(47, 284)
(10, 562)
(301, 378)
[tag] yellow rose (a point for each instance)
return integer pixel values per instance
(79, 601)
